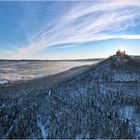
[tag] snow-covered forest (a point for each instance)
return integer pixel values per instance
(97, 101)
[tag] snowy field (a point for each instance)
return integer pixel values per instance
(24, 70)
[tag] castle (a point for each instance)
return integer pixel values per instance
(120, 53)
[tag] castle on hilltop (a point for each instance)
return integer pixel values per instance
(120, 53)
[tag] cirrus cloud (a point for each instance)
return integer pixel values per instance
(85, 22)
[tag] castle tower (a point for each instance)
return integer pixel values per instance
(120, 53)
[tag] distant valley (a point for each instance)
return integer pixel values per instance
(17, 70)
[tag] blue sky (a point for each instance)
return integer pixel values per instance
(68, 29)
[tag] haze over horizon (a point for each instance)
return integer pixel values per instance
(68, 29)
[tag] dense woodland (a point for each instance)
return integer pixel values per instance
(91, 102)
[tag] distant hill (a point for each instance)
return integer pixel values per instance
(89, 59)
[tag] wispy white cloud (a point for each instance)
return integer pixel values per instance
(100, 6)
(86, 22)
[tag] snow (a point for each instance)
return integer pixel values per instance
(3, 105)
(82, 135)
(3, 82)
(42, 128)
(103, 88)
(49, 92)
(10, 129)
(120, 60)
(126, 77)
(12, 126)
(138, 130)
(127, 112)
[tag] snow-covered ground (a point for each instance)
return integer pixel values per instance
(126, 77)
(3, 82)
(128, 112)
(44, 131)
(82, 135)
